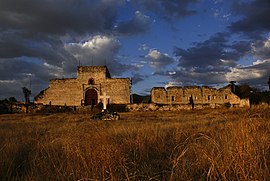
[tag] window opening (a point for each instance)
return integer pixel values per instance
(91, 81)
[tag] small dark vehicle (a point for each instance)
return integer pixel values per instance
(106, 115)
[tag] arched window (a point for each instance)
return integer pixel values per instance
(91, 81)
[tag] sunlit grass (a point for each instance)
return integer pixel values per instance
(231, 144)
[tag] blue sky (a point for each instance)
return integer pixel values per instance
(155, 42)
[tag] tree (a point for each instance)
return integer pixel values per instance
(27, 94)
(233, 86)
(245, 91)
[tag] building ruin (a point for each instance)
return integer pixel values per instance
(92, 85)
(197, 95)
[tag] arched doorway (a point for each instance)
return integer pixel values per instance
(91, 97)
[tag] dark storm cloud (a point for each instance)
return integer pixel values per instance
(57, 17)
(33, 34)
(214, 60)
(256, 74)
(137, 77)
(215, 52)
(255, 19)
(49, 49)
(169, 10)
(21, 69)
(261, 49)
(117, 68)
(33, 27)
(36, 28)
(139, 24)
(220, 63)
(187, 77)
(17, 73)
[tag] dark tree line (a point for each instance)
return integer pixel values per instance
(269, 82)
(253, 94)
(6, 105)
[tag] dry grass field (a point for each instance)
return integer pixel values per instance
(229, 144)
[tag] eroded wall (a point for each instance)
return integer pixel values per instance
(62, 92)
(199, 95)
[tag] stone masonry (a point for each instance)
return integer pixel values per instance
(89, 88)
(198, 95)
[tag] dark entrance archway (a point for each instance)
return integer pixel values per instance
(91, 97)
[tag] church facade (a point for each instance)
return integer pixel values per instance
(92, 85)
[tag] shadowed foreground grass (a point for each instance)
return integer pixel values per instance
(188, 145)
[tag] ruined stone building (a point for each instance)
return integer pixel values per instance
(92, 85)
(198, 95)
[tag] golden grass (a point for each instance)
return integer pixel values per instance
(232, 144)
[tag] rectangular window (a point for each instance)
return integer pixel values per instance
(209, 97)
(226, 96)
(172, 98)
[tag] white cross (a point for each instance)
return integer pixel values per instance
(104, 97)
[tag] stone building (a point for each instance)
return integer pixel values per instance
(197, 95)
(92, 85)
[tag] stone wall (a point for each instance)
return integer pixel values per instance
(119, 90)
(98, 73)
(62, 92)
(72, 91)
(178, 107)
(199, 95)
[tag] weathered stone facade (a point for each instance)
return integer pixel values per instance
(197, 95)
(91, 84)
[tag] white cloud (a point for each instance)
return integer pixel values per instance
(158, 60)
(172, 73)
(139, 24)
(241, 74)
(261, 49)
(7, 81)
(53, 70)
(171, 84)
(258, 70)
(144, 47)
(137, 65)
(97, 50)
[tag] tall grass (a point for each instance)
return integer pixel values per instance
(231, 144)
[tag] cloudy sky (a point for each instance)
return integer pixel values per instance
(155, 42)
